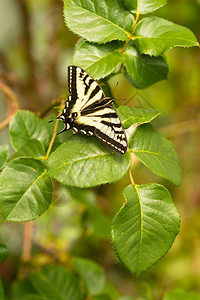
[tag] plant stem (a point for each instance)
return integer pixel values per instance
(27, 241)
(131, 34)
(52, 140)
(14, 101)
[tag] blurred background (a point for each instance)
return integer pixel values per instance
(35, 50)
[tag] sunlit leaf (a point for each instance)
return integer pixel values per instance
(144, 6)
(98, 21)
(33, 148)
(55, 282)
(98, 60)
(84, 162)
(145, 227)
(3, 154)
(132, 115)
(144, 70)
(25, 190)
(155, 35)
(156, 152)
(25, 126)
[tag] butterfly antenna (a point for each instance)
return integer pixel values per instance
(58, 118)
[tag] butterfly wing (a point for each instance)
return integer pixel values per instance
(84, 90)
(105, 125)
(94, 112)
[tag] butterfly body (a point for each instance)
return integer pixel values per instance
(88, 111)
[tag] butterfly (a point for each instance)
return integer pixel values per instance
(88, 111)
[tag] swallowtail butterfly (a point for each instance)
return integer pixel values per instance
(88, 111)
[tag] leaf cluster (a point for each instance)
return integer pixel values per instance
(146, 225)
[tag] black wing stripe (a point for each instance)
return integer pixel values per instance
(118, 125)
(72, 81)
(108, 115)
(87, 86)
(94, 92)
(98, 105)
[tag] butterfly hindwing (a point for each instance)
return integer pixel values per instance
(88, 111)
(106, 126)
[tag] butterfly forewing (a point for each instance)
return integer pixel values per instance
(86, 89)
(94, 112)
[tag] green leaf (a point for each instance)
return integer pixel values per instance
(3, 154)
(33, 148)
(92, 275)
(55, 282)
(144, 6)
(145, 227)
(99, 22)
(2, 295)
(84, 162)
(131, 115)
(25, 126)
(156, 152)
(155, 35)
(179, 294)
(25, 190)
(144, 70)
(98, 60)
(3, 253)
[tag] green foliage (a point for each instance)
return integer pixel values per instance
(3, 154)
(155, 35)
(156, 152)
(33, 148)
(65, 164)
(55, 282)
(145, 227)
(92, 275)
(144, 6)
(25, 190)
(143, 69)
(132, 115)
(25, 126)
(98, 60)
(81, 15)
(101, 61)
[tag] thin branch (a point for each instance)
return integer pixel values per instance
(27, 241)
(14, 103)
(131, 178)
(52, 140)
(130, 174)
(9, 93)
(131, 35)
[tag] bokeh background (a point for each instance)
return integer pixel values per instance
(35, 50)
